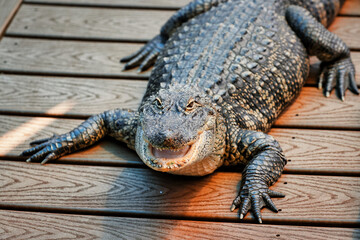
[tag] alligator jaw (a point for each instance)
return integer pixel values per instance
(165, 159)
(165, 154)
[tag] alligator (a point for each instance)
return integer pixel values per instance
(223, 71)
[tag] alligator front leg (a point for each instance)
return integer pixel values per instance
(147, 55)
(337, 67)
(120, 124)
(265, 165)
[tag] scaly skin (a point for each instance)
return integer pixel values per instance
(224, 71)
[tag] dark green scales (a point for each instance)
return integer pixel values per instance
(224, 71)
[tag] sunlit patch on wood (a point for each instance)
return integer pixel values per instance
(19, 135)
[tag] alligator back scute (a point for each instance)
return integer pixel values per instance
(243, 54)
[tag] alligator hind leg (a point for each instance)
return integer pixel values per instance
(120, 124)
(337, 68)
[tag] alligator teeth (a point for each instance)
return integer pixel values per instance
(170, 153)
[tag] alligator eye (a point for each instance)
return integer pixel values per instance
(192, 104)
(158, 103)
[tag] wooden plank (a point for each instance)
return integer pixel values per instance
(309, 199)
(351, 7)
(345, 28)
(30, 225)
(120, 24)
(310, 151)
(312, 109)
(320, 151)
(78, 58)
(85, 95)
(88, 23)
(158, 4)
(7, 11)
(72, 98)
(66, 57)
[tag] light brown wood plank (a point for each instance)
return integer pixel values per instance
(83, 96)
(81, 58)
(166, 4)
(320, 151)
(310, 151)
(85, 23)
(29, 225)
(121, 24)
(351, 7)
(66, 57)
(72, 97)
(309, 199)
(7, 11)
(312, 109)
(347, 28)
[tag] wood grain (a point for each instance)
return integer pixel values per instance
(351, 7)
(29, 225)
(88, 23)
(158, 4)
(17, 95)
(312, 109)
(36, 95)
(320, 151)
(309, 199)
(77, 58)
(120, 24)
(347, 29)
(7, 11)
(310, 151)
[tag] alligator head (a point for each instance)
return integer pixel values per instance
(180, 132)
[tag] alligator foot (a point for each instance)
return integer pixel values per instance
(255, 196)
(339, 74)
(146, 56)
(47, 149)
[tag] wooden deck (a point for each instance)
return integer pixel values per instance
(59, 63)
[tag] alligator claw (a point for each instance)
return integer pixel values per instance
(255, 197)
(146, 56)
(46, 149)
(340, 75)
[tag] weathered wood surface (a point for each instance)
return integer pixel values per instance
(88, 23)
(7, 11)
(121, 24)
(310, 151)
(347, 28)
(312, 109)
(72, 97)
(351, 7)
(309, 199)
(81, 58)
(86, 96)
(30, 225)
(164, 4)
(133, 196)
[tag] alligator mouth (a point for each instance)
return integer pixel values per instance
(169, 153)
(167, 159)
